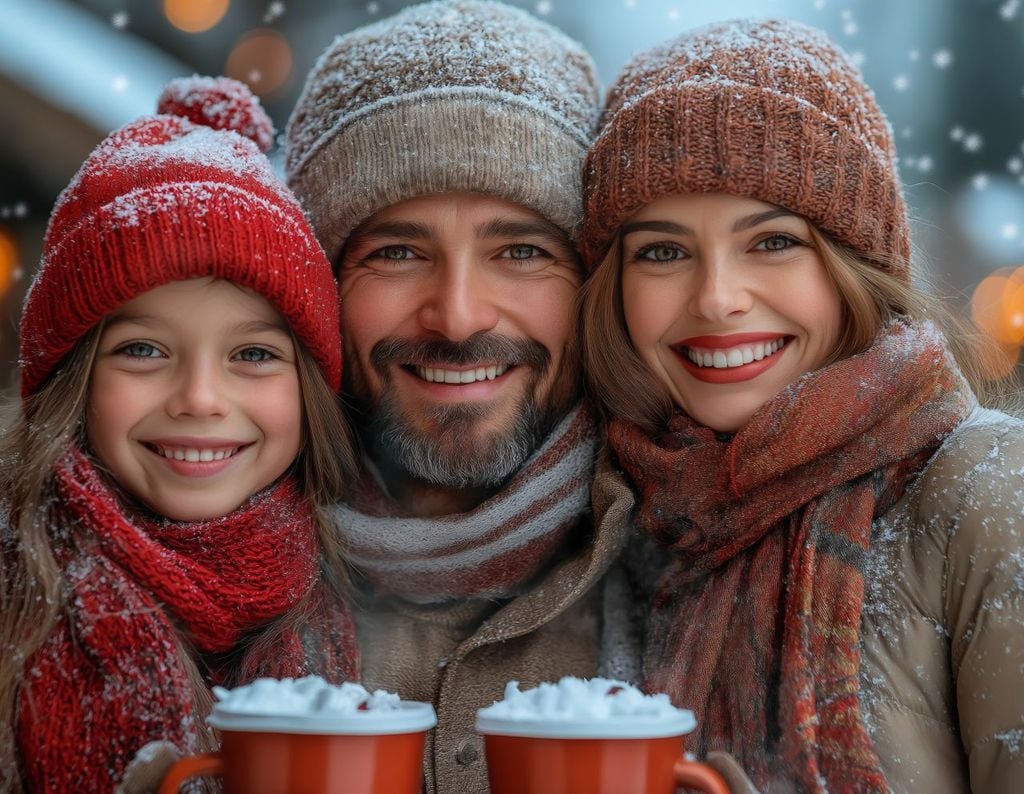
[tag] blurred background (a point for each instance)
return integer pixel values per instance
(949, 74)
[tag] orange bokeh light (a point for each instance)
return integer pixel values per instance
(195, 16)
(997, 306)
(8, 261)
(262, 59)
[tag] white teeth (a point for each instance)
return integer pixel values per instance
(438, 375)
(735, 356)
(193, 455)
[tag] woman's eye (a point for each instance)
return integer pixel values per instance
(777, 242)
(660, 253)
(140, 350)
(522, 251)
(255, 355)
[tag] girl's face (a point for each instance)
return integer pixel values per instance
(727, 301)
(194, 398)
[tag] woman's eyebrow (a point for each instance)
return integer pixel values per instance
(668, 227)
(750, 221)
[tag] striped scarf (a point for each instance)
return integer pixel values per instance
(491, 551)
(756, 624)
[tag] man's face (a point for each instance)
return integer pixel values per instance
(456, 314)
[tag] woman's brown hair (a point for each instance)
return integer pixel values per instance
(623, 386)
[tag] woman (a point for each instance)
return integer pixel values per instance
(842, 599)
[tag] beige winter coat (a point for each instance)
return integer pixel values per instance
(460, 657)
(942, 633)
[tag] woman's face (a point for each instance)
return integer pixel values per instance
(727, 301)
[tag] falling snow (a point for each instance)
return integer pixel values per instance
(979, 181)
(972, 142)
(120, 20)
(1009, 231)
(274, 11)
(942, 59)
(19, 210)
(120, 84)
(901, 82)
(1009, 9)
(544, 8)
(850, 27)
(373, 8)
(1014, 165)
(913, 55)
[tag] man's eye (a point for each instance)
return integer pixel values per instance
(523, 251)
(254, 354)
(393, 252)
(139, 350)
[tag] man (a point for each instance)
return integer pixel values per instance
(439, 153)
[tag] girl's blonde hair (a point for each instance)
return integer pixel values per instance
(623, 386)
(31, 584)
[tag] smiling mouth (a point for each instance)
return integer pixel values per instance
(736, 356)
(458, 376)
(194, 454)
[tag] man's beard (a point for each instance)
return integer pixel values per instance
(452, 453)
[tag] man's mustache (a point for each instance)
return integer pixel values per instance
(481, 347)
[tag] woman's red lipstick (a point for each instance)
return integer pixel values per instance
(735, 374)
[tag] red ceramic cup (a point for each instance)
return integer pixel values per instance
(368, 752)
(624, 755)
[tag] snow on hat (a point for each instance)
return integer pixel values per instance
(171, 197)
(450, 96)
(771, 110)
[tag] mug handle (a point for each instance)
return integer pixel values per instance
(693, 774)
(206, 764)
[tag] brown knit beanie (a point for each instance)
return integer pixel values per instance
(451, 96)
(770, 110)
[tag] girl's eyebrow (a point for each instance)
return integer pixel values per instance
(246, 327)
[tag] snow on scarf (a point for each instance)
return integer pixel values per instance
(112, 677)
(756, 624)
(488, 552)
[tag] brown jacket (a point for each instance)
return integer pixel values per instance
(942, 631)
(460, 657)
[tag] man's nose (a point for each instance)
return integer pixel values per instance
(460, 301)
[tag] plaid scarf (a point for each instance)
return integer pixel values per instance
(491, 551)
(112, 676)
(756, 624)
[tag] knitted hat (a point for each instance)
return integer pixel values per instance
(770, 110)
(173, 197)
(450, 96)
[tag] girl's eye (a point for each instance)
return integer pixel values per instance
(140, 350)
(256, 355)
(660, 253)
(522, 251)
(777, 242)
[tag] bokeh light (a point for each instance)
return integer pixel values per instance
(262, 59)
(8, 261)
(195, 16)
(997, 306)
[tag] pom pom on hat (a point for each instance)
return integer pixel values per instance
(220, 103)
(166, 199)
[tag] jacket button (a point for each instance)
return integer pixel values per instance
(467, 752)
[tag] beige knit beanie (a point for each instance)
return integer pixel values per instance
(450, 96)
(771, 110)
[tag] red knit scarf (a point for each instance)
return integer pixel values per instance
(112, 675)
(756, 624)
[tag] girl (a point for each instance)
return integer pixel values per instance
(179, 435)
(843, 602)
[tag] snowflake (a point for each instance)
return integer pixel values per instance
(925, 164)
(942, 59)
(544, 7)
(1009, 231)
(850, 28)
(673, 15)
(857, 56)
(901, 82)
(120, 84)
(979, 181)
(119, 20)
(630, 3)
(972, 142)
(373, 8)
(913, 55)
(956, 134)
(907, 132)
(274, 11)
(20, 209)
(1014, 165)
(1009, 9)
(819, 4)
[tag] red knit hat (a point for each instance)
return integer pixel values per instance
(771, 110)
(172, 197)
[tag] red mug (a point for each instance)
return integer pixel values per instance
(362, 753)
(623, 755)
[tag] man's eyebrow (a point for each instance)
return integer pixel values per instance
(410, 230)
(655, 226)
(503, 227)
(751, 221)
